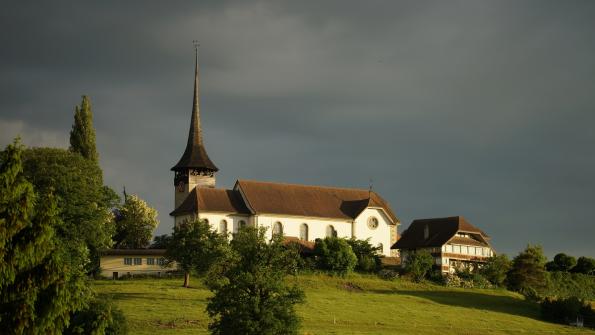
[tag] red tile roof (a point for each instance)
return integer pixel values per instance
(313, 201)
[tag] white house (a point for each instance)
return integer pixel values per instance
(296, 211)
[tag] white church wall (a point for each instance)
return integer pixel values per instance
(380, 235)
(316, 226)
(232, 221)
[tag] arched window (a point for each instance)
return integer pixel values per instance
(380, 248)
(304, 232)
(206, 220)
(241, 224)
(223, 227)
(277, 228)
(330, 231)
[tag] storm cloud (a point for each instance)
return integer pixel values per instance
(477, 108)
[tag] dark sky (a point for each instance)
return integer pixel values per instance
(477, 108)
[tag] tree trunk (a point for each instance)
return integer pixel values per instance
(186, 279)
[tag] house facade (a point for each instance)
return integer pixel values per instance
(297, 211)
(115, 263)
(453, 242)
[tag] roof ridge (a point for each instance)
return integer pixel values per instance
(305, 185)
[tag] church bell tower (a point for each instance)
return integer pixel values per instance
(195, 168)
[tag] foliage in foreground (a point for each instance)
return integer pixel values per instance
(100, 317)
(85, 203)
(195, 247)
(39, 288)
(251, 295)
(334, 255)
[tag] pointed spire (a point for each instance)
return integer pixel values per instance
(195, 155)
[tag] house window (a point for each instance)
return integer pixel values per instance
(127, 260)
(330, 231)
(150, 261)
(161, 261)
(206, 220)
(372, 222)
(456, 249)
(223, 227)
(304, 232)
(277, 229)
(381, 248)
(138, 261)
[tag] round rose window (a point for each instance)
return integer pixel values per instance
(372, 222)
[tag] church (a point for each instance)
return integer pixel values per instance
(299, 212)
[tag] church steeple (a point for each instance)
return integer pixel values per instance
(195, 156)
(195, 168)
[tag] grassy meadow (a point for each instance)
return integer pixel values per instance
(354, 305)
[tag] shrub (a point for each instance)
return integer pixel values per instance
(100, 317)
(567, 310)
(335, 255)
(368, 259)
(419, 264)
(387, 274)
(452, 280)
(564, 285)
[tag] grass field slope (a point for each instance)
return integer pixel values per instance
(353, 305)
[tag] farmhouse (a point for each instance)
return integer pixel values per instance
(115, 263)
(453, 242)
(295, 211)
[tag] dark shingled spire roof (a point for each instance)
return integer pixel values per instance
(195, 156)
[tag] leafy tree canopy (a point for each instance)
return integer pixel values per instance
(251, 295)
(585, 265)
(135, 223)
(160, 241)
(195, 247)
(39, 287)
(85, 203)
(561, 262)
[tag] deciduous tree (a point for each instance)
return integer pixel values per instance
(135, 223)
(251, 294)
(195, 247)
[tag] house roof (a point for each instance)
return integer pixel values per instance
(212, 200)
(441, 231)
(134, 252)
(312, 201)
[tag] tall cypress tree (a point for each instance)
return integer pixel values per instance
(82, 135)
(38, 290)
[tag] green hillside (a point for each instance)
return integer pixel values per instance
(354, 305)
